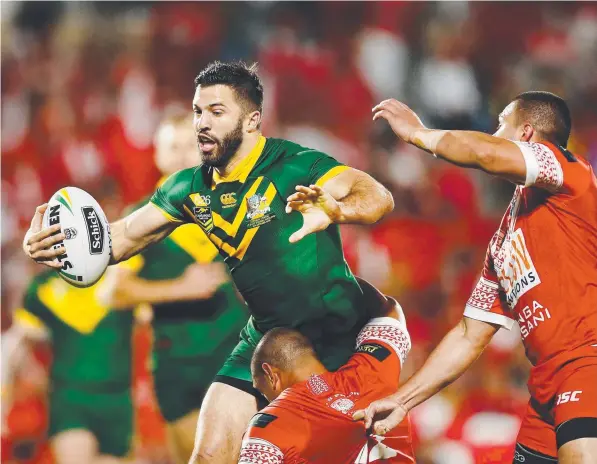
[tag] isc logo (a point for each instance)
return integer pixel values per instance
(228, 199)
(568, 397)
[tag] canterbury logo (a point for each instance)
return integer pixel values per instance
(228, 199)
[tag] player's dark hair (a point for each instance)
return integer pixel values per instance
(243, 78)
(281, 348)
(548, 113)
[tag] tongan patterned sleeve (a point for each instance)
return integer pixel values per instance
(552, 168)
(169, 197)
(260, 451)
(391, 332)
(485, 303)
(273, 438)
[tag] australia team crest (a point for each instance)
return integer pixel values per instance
(202, 211)
(258, 211)
(203, 217)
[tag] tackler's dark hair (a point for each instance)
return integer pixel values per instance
(548, 113)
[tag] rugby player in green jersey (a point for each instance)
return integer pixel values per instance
(90, 405)
(271, 207)
(192, 338)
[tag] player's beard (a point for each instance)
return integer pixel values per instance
(224, 149)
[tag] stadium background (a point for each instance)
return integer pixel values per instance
(84, 85)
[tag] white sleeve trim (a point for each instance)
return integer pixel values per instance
(543, 167)
(487, 316)
(387, 330)
(260, 451)
(531, 163)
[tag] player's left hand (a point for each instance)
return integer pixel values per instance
(383, 415)
(318, 207)
(403, 121)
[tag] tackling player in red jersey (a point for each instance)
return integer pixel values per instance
(309, 419)
(540, 271)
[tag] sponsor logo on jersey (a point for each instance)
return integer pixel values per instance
(70, 233)
(258, 212)
(95, 231)
(54, 218)
(228, 200)
(517, 273)
(568, 397)
(379, 352)
(262, 420)
(530, 317)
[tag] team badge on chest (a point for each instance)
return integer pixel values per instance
(258, 211)
(202, 211)
(204, 217)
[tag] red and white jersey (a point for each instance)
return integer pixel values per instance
(311, 422)
(541, 265)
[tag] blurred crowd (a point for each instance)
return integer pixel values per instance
(84, 85)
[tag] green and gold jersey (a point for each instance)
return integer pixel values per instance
(186, 329)
(305, 285)
(91, 345)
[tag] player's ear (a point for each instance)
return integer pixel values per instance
(527, 132)
(269, 373)
(254, 121)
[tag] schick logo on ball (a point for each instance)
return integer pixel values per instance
(95, 230)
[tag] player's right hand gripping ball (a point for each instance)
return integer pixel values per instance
(86, 230)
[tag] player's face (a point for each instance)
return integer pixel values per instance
(175, 148)
(508, 124)
(219, 123)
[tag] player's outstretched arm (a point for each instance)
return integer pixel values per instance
(124, 289)
(494, 155)
(362, 200)
(452, 357)
(130, 235)
(351, 197)
(137, 231)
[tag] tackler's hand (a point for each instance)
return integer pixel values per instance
(382, 415)
(403, 121)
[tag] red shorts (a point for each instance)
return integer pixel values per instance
(575, 396)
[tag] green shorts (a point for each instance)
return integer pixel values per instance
(332, 351)
(181, 384)
(185, 363)
(108, 415)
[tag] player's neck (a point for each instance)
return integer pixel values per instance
(245, 148)
(308, 368)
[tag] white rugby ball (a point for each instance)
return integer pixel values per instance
(88, 243)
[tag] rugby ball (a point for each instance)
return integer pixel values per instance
(87, 244)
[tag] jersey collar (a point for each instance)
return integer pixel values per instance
(161, 181)
(244, 168)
